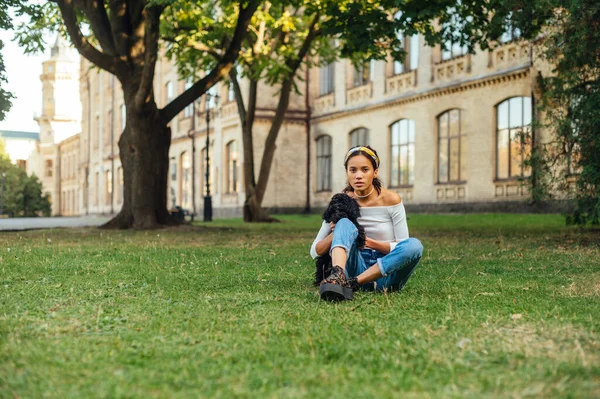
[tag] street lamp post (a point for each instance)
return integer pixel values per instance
(208, 197)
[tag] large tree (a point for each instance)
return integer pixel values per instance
(285, 38)
(123, 38)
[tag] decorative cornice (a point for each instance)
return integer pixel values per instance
(513, 74)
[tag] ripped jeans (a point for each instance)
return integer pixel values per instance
(395, 267)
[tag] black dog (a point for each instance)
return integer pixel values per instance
(341, 206)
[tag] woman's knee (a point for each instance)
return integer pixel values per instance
(345, 231)
(415, 247)
(345, 226)
(345, 222)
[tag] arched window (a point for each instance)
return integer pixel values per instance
(232, 163)
(513, 137)
(186, 180)
(324, 163)
(403, 153)
(452, 148)
(359, 136)
(49, 169)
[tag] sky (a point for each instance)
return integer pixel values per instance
(23, 72)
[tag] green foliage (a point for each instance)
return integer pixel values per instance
(5, 96)
(570, 101)
(500, 306)
(22, 194)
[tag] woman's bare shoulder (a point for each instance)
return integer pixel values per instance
(390, 198)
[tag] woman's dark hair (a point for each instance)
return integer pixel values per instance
(376, 182)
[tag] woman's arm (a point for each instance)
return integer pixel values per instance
(323, 246)
(381, 246)
(322, 242)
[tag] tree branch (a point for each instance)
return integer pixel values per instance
(284, 99)
(251, 114)
(121, 25)
(294, 63)
(221, 69)
(260, 36)
(199, 47)
(96, 14)
(151, 34)
(239, 98)
(82, 45)
(247, 140)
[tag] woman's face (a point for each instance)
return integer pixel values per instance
(360, 172)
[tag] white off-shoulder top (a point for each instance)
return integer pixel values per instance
(381, 223)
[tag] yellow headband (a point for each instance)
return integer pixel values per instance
(363, 149)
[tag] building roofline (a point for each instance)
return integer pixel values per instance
(17, 134)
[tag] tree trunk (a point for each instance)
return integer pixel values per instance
(255, 213)
(144, 152)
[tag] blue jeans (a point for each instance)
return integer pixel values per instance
(396, 267)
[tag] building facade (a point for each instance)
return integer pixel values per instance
(446, 124)
(22, 148)
(59, 120)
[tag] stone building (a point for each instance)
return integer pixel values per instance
(22, 148)
(445, 123)
(59, 120)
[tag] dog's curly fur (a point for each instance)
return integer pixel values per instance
(341, 206)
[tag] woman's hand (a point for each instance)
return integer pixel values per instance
(381, 246)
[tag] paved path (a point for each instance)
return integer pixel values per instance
(13, 224)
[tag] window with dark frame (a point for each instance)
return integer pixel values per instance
(410, 44)
(231, 154)
(513, 137)
(511, 32)
(324, 163)
(452, 48)
(363, 73)
(452, 148)
(359, 137)
(186, 180)
(49, 168)
(189, 109)
(402, 153)
(326, 79)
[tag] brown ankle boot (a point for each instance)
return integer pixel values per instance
(336, 287)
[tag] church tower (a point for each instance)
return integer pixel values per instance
(61, 114)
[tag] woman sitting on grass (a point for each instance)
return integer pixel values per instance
(389, 256)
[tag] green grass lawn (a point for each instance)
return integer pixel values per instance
(501, 306)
